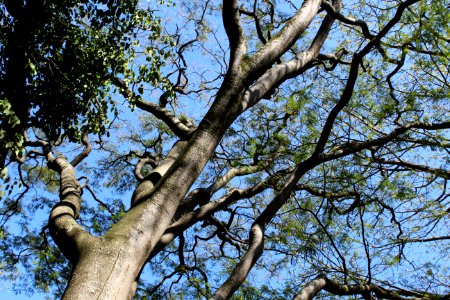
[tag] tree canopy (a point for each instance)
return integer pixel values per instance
(225, 149)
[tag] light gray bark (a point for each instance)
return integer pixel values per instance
(145, 188)
(107, 267)
(311, 289)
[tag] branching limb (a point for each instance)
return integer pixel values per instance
(335, 195)
(233, 172)
(425, 240)
(272, 78)
(334, 288)
(347, 20)
(201, 196)
(353, 74)
(334, 59)
(354, 147)
(65, 231)
(256, 239)
(144, 189)
(327, 194)
(240, 272)
(200, 214)
(285, 38)
(235, 33)
(84, 153)
(410, 46)
(145, 159)
(256, 235)
(177, 127)
(434, 171)
(343, 101)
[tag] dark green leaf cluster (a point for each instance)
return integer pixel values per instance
(57, 59)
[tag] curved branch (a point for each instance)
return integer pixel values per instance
(65, 231)
(190, 218)
(232, 24)
(343, 101)
(240, 272)
(201, 196)
(285, 38)
(347, 20)
(334, 59)
(323, 283)
(256, 235)
(177, 127)
(278, 74)
(175, 124)
(233, 172)
(84, 153)
(146, 159)
(311, 289)
(145, 187)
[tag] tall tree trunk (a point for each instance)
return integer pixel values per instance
(106, 269)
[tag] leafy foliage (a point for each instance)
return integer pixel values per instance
(371, 207)
(58, 59)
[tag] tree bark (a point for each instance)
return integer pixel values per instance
(107, 267)
(106, 270)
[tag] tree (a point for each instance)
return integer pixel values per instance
(305, 154)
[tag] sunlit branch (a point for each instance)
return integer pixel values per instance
(143, 160)
(177, 127)
(235, 33)
(190, 218)
(65, 231)
(323, 283)
(309, 291)
(241, 171)
(278, 74)
(285, 38)
(241, 270)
